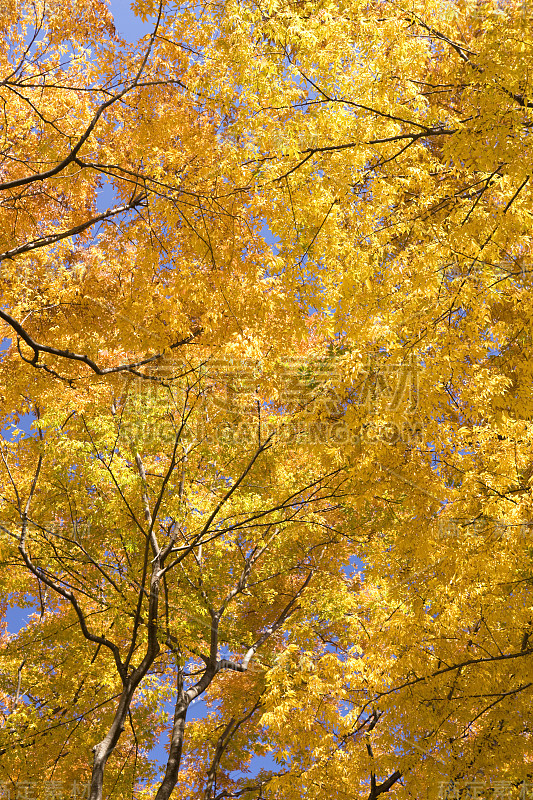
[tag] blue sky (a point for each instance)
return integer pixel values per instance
(127, 24)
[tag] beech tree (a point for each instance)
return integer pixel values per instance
(222, 426)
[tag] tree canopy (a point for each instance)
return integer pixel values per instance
(266, 289)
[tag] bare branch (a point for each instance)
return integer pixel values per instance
(287, 611)
(42, 348)
(41, 575)
(46, 241)
(72, 156)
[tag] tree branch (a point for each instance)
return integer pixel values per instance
(45, 241)
(42, 348)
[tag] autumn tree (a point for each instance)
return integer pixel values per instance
(165, 548)
(221, 428)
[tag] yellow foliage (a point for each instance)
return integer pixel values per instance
(266, 289)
